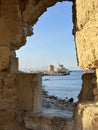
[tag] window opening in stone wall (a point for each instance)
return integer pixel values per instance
(52, 47)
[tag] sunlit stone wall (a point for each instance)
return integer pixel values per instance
(86, 33)
(17, 18)
(86, 37)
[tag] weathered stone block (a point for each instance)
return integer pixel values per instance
(48, 121)
(7, 118)
(87, 116)
(97, 77)
(9, 94)
(95, 91)
(87, 33)
(7, 91)
(86, 93)
(8, 121)
(5, 33)
(29, 91)
(7, 81)
(4, 58)
(11, 30)
(14, 65)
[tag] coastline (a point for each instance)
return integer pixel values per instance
(50, 101)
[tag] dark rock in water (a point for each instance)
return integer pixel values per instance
(53, 97)
(44, 92)
(71, 100)
(46, 79)
(53, 102)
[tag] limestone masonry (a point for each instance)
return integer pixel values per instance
(21, 93)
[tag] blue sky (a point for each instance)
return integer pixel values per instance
(52, 42)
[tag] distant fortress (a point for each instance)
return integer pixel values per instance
(58, 71)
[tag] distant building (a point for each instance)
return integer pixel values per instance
(60, 68)
(50, 68)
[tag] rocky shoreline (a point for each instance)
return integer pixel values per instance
(56, 103)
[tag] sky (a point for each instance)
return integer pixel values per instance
(52, 41)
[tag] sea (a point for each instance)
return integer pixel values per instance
(64, 87)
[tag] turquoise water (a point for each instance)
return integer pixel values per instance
(64, 86)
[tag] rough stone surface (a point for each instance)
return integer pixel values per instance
(22, 92)
(86, 33)
(13, 62)
(17, 19)
(88, 86)
(7, 117)
(11, 24)
(97, 76)
(29, 91)
(95, 91)
(18, 93)
(86, 116)
(4, 58)
(7, 91)
(48, 120)
(21, 14)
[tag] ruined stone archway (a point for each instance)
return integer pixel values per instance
(23, 15)
(58, 26)
(16, 21)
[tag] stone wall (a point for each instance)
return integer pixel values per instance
(86, 37)
(17, 18)
(29, 92)
(88, 86)
(86, 33)
(18, 93)
(47, 121)
(86, 116)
